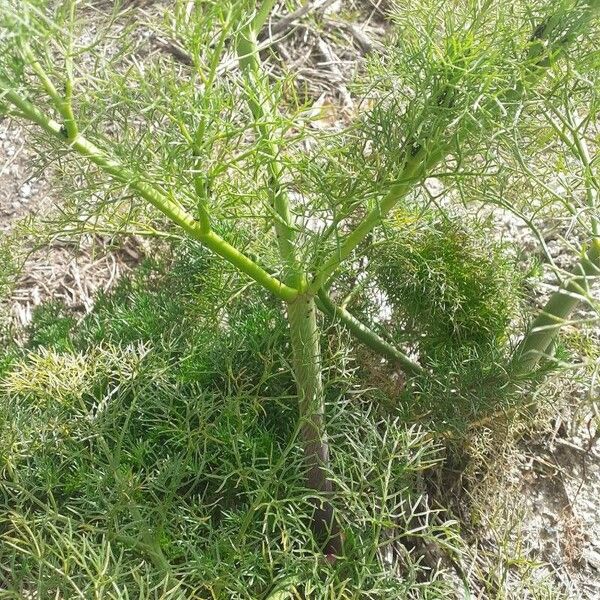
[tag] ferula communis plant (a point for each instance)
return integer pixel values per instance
(210, 141)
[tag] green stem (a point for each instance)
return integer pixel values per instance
(557, 311)
(201, 183)
(262, 15)
(67, 102)
(547, 43)
(63, 105)
(414, 170)
(202, 194)
(304, 333)
(368, 336)
(66, 110)
(304, 336)
(264, 113)
(151, 194)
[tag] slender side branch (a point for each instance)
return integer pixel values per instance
(201, 185)
(150, 193)
(63, 104)
(547, 42)
(367, 336)
(557, 311)
(202, 193)
(67, 102)
(414, 170)
(66, 109)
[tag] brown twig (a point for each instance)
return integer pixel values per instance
(283, 24)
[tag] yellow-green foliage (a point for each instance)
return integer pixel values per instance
(68, 379)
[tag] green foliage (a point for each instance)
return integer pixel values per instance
(207, 320)
(51, 327)
(451, 286)
(454, 296)
(125, 445)
(159, 428)
(8, 269)
(462, 390)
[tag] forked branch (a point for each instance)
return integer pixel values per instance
(150, 193)
(547, 42)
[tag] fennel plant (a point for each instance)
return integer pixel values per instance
(219, 141)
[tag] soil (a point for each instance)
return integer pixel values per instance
(70, 271)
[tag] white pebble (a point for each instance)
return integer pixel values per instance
(25, 190)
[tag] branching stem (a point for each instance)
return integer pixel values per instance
(263, 111)
(63, 104)
(546, 43)
(150, 193)
(302, 319)
(367, 336)
(414, 170)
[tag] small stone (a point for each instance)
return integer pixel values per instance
(25, 190)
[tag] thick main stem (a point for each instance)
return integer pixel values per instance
(557, 311)
(306, 350)
(304, 333)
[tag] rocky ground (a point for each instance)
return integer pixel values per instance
(536, 500)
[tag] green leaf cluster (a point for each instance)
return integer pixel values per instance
(451, 286)
(132, 462)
